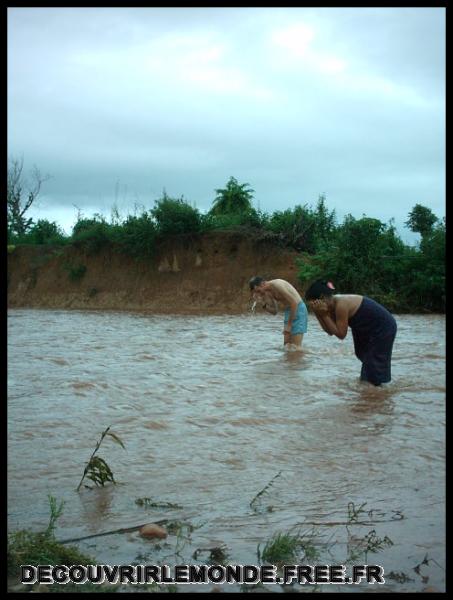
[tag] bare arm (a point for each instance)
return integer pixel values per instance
(339, 327)
(270, 305)
(321, 322)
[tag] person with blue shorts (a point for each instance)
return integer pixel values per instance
(269, 294)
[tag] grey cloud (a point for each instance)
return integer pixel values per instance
(185, 98)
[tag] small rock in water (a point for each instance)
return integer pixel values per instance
(151, 530)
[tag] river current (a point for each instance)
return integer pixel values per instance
(231, 438)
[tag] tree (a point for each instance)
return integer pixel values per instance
(324, 222)
(21, 195)
(235, 198)
(421, 220)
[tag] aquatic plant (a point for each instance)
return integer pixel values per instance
(97, 469)
(353, 512)
(287, 548)
(254, 504)
(362, 545)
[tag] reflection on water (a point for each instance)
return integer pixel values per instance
(210, 410)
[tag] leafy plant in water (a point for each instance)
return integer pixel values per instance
(358, 546)
(97, 469)
(353, 512)
(375, 543)
(55, 513)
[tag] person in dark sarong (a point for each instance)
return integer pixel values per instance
(373, 327)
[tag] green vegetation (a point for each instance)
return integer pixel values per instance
(41, 548)
(284, 547)
(363, 256)
(235, 198)
(288, 548)
(174, 216)
(96, 468)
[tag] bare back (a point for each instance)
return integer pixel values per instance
(283, 292)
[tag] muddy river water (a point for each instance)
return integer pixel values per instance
(246, 440)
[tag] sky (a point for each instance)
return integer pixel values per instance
(120, 104)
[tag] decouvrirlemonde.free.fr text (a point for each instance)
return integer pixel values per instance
(164, 574)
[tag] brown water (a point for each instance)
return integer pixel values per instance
(211, 409)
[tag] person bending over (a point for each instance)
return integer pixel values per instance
(373, 327)
(269, 294)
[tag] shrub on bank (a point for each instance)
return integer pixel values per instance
(137, 236)
(93, 234)
(43, 232)
(175, 216)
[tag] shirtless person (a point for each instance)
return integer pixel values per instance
(269, 293)
(373, 327)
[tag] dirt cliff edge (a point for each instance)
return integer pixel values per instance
(189, 274)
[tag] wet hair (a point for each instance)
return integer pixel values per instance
(255, 281)
(319, 288)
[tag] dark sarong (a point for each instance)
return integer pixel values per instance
(373, 330)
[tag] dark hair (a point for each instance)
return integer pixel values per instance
(255, 281)
(319, 288)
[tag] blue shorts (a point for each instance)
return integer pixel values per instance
(300, 323)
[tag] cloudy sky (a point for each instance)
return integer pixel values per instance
(118, 104)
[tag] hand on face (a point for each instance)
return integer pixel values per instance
(319, 306)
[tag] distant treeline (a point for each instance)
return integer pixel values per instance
(363, 256)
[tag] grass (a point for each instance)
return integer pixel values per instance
(288, 548)
(41, 548)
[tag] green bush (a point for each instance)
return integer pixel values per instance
(175, 216)
(303, 228)
(93, 234)
(42, 232)
(137, 235)
(250, 219)
(295, 226)
(367, 257)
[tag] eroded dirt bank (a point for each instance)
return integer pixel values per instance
(197, 274)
